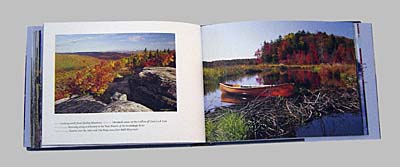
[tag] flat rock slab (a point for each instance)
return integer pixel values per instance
(126, 106)
(87, 104)
(80, 104)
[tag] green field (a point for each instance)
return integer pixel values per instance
(71, 62)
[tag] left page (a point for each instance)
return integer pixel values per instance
(107, 83)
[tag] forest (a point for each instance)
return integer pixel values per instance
(307, 48)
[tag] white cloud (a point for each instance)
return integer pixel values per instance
(81, 39)
(135, 38)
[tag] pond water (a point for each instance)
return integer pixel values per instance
(213, 98)
(343, 124)
(328, 125)
(307, 79)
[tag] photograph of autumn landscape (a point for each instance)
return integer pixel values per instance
(280, 80)
(124, 72)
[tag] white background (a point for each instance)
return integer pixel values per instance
(16, 15)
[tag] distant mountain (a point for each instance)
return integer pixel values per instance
(102, 55)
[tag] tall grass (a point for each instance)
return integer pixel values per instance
(230, 127)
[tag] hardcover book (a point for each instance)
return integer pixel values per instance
(155, 84)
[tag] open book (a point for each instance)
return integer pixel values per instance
(147, 83)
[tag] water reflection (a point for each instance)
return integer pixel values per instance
(230, 98)
(213, 98)
(308, 79)
(304, 78)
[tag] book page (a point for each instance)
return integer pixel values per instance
(122, 83)
(290, 80)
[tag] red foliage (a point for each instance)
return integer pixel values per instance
(307, 48)
(93, 80)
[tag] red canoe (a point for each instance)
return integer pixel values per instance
(258, 90)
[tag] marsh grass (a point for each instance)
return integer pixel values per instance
(230, 126)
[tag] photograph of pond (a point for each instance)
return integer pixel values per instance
(266, 80)
(122, 72)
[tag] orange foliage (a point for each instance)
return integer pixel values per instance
(95, 79)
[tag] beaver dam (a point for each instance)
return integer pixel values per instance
(276, 117)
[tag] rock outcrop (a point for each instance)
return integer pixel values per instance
(154, 87)
(120, 103)
(88, 104)
(120, 85)
(150, 89)
(125, 106)
(79, 104)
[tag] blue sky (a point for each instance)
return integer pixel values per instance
(114, 42)
(240, 40)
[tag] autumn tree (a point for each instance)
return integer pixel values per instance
(307, 48)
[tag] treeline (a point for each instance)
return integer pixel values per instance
(100, 55)
(307, 48)
(219, 63)
(149, 58)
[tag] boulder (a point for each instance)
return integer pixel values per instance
(88, 104)
(59, 101)
(118, 97)
(79, 104)
(119, 85)
(154, 87)
(125, 106)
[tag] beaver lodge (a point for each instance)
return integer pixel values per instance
(276, 116)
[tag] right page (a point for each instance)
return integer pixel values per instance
(289, 80)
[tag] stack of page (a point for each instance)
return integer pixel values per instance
(148, 83)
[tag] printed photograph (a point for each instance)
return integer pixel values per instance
(268, 80)
(123, 72)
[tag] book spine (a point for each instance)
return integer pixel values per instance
(33, 88)
(366, 50)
